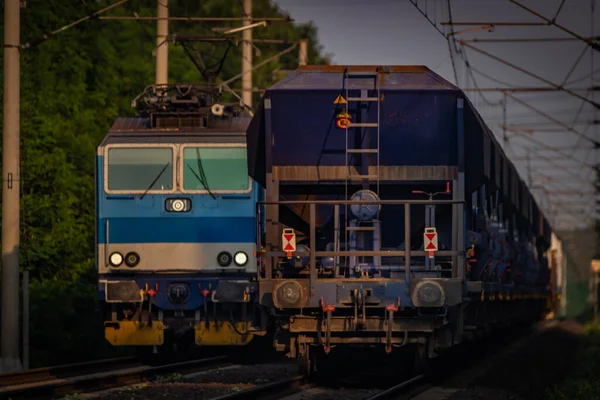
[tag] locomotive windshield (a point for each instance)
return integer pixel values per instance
(220, 168)
(135, 169)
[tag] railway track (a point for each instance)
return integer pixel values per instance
(295, 388)
(413, 386)
(342, 378)
(274, 390)
(47, 382)
(108, 374)
(63, 371)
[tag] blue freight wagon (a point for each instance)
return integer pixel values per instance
(404, 218)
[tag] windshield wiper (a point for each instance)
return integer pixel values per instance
(201, 181)
(202, 178)
(156, 179)
(202, 173)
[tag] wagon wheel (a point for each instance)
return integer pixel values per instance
(307, 362)
(304, 364)
(420, 358)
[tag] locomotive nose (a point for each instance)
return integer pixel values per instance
(178, 293)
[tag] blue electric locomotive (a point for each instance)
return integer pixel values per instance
(417, 230)
(175, 223)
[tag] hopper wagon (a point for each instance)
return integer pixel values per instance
(393, 218)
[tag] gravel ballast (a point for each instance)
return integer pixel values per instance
(207, 384)
(520, 370)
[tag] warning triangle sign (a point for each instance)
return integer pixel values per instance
(431, 240)
(288, 237)
(340, 100)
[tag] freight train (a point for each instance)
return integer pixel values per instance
(176, 223)
(392, 219)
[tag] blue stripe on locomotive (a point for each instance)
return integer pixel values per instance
(231, 218)
(179, 230)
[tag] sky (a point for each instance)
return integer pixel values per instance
(560, 145)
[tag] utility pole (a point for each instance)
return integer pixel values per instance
(595, 284)
(303, 56)
(11, 184)
(504, 123)
(247, 55)
(529, 177)
(162, 50)
(25, 355)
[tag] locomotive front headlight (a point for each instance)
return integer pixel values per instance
(132, 259)
(116, 259)
(178, 205)
(240, 258)
(224, 258)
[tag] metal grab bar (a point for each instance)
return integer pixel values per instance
(106, 236)
(363, 202)
(457, 254)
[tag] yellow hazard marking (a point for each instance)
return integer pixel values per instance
(132, 333)
(223, 333)
(344, 114)
(340, 100)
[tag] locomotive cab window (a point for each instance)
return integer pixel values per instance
(215, 168)
(137, 169)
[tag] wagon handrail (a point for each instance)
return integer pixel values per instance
(366, 202)
(362, 253)
(407, 253)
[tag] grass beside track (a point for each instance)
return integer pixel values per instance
(584, 384)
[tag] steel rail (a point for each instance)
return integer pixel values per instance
(272, 390)
(60, 371)
(286, 387)
(102, 380)
(401, 388)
